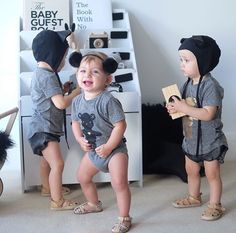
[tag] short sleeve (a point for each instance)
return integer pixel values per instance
(115, 111)
(213, 95)
(51, 87)
(74, 113)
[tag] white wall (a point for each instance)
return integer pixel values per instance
(158, 26)
(9, 59)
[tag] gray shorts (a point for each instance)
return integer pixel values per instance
(39, 141)
(102, 163)
(216, 154)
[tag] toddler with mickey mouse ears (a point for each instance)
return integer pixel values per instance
(98, 124)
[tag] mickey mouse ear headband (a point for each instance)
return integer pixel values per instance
(110, 64)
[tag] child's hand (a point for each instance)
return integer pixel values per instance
(103, 150)
(177, 105)
(170, 108)
(85, 145)
(67, 87)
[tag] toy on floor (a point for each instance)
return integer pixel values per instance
(5, 140)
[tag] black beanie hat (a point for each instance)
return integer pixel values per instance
(50, 47)
(205, 49)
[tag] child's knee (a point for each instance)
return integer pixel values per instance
(213, 175)
(83, 178)
(119, 185)
(59, 165)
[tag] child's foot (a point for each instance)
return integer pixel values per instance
(63, 204)
(213, 212)
(189, 201)
(123, 225)
(88, 207)
(46, 193)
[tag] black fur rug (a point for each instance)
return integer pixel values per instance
(162, 139)
(5, 143)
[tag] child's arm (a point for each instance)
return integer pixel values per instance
(62, 102)
(206, 113)
(85, 146)
(114, 140)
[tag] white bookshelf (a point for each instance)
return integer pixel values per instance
(130, 99)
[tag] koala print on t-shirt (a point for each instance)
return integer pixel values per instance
(89, 133)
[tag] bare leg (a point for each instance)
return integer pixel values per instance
(212, 169)
(118, 168)
(52, 155)
(44, 174)
(85, 174)
(194, 179)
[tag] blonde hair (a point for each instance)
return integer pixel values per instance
(91, 56)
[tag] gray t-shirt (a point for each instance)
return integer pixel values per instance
(46, 117)
(97, 116)
(212, 137)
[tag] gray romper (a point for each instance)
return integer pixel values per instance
(46, 117)
(47, 120)
(213, 144)
(96, 118)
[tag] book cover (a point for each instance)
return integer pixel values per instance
(90, 14)
(45, 14)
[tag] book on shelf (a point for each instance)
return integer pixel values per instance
(90, 14)
(45, 14)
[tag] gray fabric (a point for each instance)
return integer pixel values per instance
(213, 143)
(96, 118)
(39, 142)
(46, 117)
(102, 163)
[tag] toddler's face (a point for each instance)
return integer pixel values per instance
(91, 76)
(188, 64)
